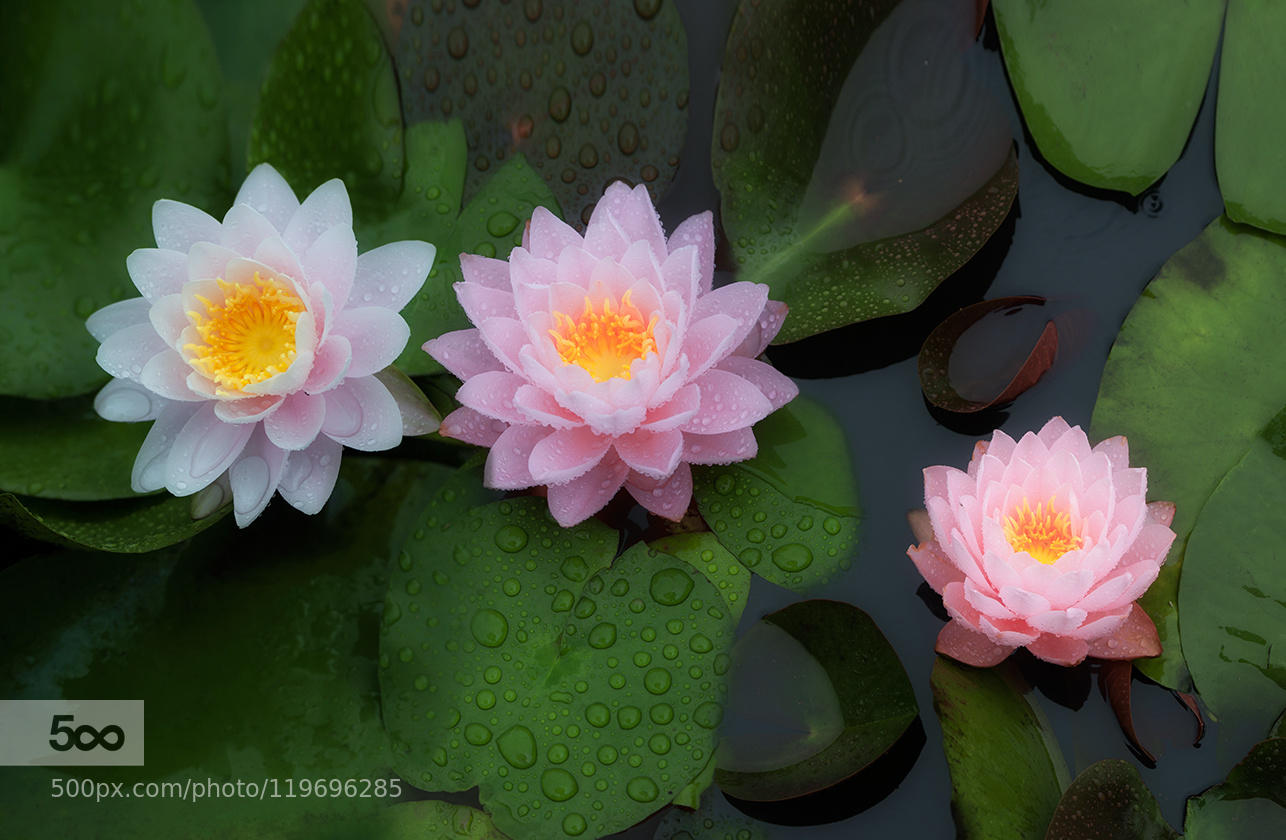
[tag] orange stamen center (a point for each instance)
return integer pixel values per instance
(1045, 533)
(248, 338)
(604, 342)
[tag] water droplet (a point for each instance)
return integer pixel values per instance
(585, 607)
(588, 156)
(755, 535)
(647, 9)
(501, 223)
(724, 484)
(558, 784)
(629, 717)
(602, 636)
(641, 789)
(659, 744)
(670, 587)
(575, 569)
(518, 747)
(477, 734)
(729, 137)
(661, 713)
(708, 715)
(598, 715)
(558, 752)
(489, 627)
(511, 539)
(607, 755)
(657, 681)
(792, 557)
(560, 104)
(582, 38)
(574, 824)
(458, 42)
(511, 587)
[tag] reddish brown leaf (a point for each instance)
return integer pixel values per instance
(1115, 681)
(981, 5)
(1190, 703)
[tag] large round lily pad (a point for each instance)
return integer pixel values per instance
(1109, 801)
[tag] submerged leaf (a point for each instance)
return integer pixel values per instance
(127, 526)
(1109, 801)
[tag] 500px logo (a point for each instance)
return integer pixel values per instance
(66, 733)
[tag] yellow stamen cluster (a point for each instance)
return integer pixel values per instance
(1044, 533)
(604, 342)
(249, 337)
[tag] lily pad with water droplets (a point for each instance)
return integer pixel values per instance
(1182, 384)
(859, 161)
(1250, 803)
(589, 92)
(92, 135)
(817, 694)
(1109, 801)
(578, 697)
(124, 526)
(790, 514)
(714, 820)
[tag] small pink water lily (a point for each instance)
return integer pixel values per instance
(1045, 544)
(608, 360)
(260, 346)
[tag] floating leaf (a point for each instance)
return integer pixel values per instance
(1013, 376)
(817, 694)
(715, 820)
(254, 651)
(1109, 801)
(513, 658)
(1233, 595)
(858, 161)
(1251, 803)
(790, 514)
(92, 134)
(129, 526)
(430, 819)
(1179, 386)
(1007, 773)
(589, 92)
(1108, 90)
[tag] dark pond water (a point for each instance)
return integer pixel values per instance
(1090, 255)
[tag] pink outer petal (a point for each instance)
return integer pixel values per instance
(376, 337)
(492, 394)
(1117, 450)
(681, 274)
(964, 645)
(742, 300)
(296, 424)
(332, 261)
(126, 351)
(1059, 649)
(266, 191)
(324, 208)
(675, 412)
(308, 476)
(632, 210)
(776, 386)
(708, 342)
(1135, 638)
(392, 274)
(157, 272)
(764, 330)
(471, 427)
(654, 454)
(330, 365)
(483, 302)
(723, 448)
(463, 353)
(668, 498)
(486, 271)
(728, 402)
(115, 317)
(566, 454)
(254, 476)
(204, 448)
(250, 410)
(505, 338)
(698, 230)
(581, 498)
(604, 237)
(507, 463)
(1162, 513)
(933, 565)
(149, 465)
(178, 226)
(537, 406)
(362, 414)
(123, 401)
(166, 374)
(549, 235)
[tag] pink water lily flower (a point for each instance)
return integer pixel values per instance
(609, 360)
(1045, 544)
(260, 346)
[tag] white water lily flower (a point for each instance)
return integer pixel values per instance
(261, 346)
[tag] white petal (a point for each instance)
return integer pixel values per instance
(254, 477)
(376, 335)
(390, 275)
(202, 450)
(309, 475)
(244, 228)
(332, 261)
(157, 272)
(126, 351)
(179, 226)
(266, 191)
(115, 317)
(123, 401)
(149, 465)
(326, 207)
(362, 414)
(166, 374)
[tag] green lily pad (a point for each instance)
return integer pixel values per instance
(1178, 384)
(430, 819)
(1251, 803)
(93, 134)
(254, 651)
(846, 701)
(588, 92)
(125, 526)
(1109, 801)
(1248, 135)
(791, 513)
(714, 820)
(579, 698)
(1232, 596)
(1109, 90)
(858, 162)
(1007, 773)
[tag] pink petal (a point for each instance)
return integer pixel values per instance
(742, 301)
(526, 269)
(482, 302)
(1117, 450)
(115, 317)
(507, 463)
(776, 386)
(1161, 513)
(203, 449)
(332, 261)
(179, 226)
(681, 273)
(376, 337)
(492, 394)
(123, 401)
(362, 414)
(471, 427)
(166, 374)
(566, 454)
(604, 237)
(635, 217)
(505, 338)
(392, 274)
(675, 412)
(708, 341)
(244, 228)
(126, 351)
(654, 454)
(549, 235)
(1151, 545)
(463, 353)
(764, 330)
(149, 465)
(206, 261)
(326, 207)
(1059, 649)
(537, 406)
(308, 476)
(266, 191)
(330, 365)
(250, 410)
(297, 422)
(728, 402)
(1136, 637)
(487, 271)
(722, 448)
(1058, 622)
(579, 499)
(276, 254)
(157, 272)
(668, 498)
(254, 477)
(933, 565)
(1053, 429)
(972, 648)
(698, 230)
(641, 261)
